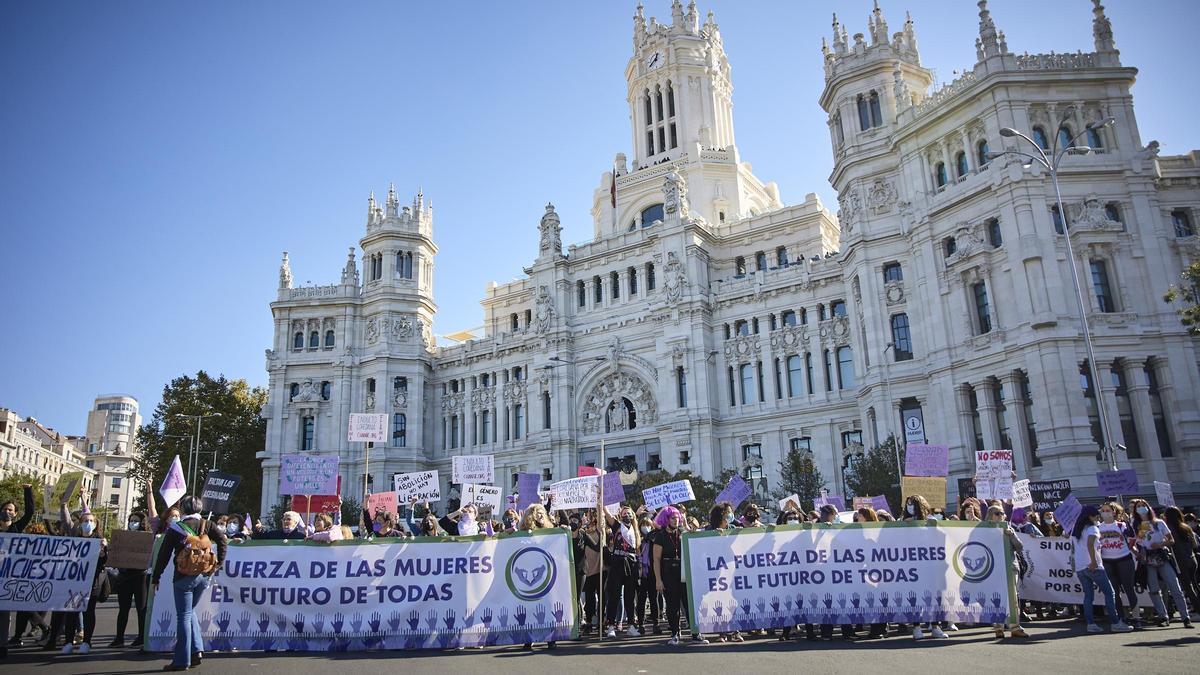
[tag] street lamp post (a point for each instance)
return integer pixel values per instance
(1051, 163)
(194, 447)
(887, 393)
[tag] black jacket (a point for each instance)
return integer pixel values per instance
(174, 541)
(21, 523)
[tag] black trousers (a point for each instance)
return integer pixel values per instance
(622, 588)
(591, 594)
(647, 593)
(131, 591)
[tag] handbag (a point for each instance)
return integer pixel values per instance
(1158, 557)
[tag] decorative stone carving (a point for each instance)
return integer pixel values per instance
(372, 330)
(836, 331)
(285, 273)
(789, 340)
(881, 196)
(675, 281)
(893, 292)
(675, 199)
(679, 354)
(402, 327)
(308, 392)
(347, 358)
(742, 348)
(544, 313)
(452, 402)
(370, 401)
(400, 399)
(426, 334)
(1091, 214)
(611, 390)
(515, 391)
(551, 231)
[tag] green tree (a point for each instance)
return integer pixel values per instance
(1187, 293)
(875, 473)
(705, 491)
(799, 475)
(232, 439)
(12, 488)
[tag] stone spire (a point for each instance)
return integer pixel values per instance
(371, 208)
(692, 18)
(551, 233)
(639, 26)
(285, 273)
(1102, 29)
(839, 36)
(393, 204)
(350, 271)
(910, 34)
(676, 14)
(988, 38)
(879, 27)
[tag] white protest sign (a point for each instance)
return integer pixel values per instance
(792, 501)
(668, 493)
(40, 572)
(472, 469)
(1021, 496)
(993, 464)
(423, 485)
(575, 493)
(367, 428)
(1166, 496)
(481, 495)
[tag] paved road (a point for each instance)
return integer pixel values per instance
(1054, 647)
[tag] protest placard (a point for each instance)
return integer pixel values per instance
(587, 471)
(837, 501)
(668, 493)
(1068, 512)
(68, 484)
(1122, 482)
(791, 501)
(367, 428)
(527, 490)
(926, 460)
(472, 469)
(424, 485)
(614, 490)
(735, 491)
(993, 463)
(1021, 495)
(932, 488)
(130, 549)
(482, 495)
(40, 572)
(575, 493)
(308, 504)
(1048, 494)
(218, 490)
(1164, 493)
(387, 502)
(308, 474)
(966, 488)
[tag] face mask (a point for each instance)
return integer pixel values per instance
(88, 527)
(793, 520)
(910, 509)
(1143, 511)
(231, 528)
(645, 530)
(133, 525)
(628, 520)
(5, 517)
(172, 520)
(1108, 517)
(508, 522)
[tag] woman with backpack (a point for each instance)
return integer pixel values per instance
(189, 541)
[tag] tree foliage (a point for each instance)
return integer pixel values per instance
(235, 437)
(12, 488)
(1187, 294)
(799, 475)
(705, 491)
(876, 473)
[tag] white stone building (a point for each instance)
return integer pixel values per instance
(29, 447)
(709, 326)
(112, 428)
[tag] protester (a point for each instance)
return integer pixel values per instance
(189, 588)
(647, 591)
(292, 527)
(668, 572)
(751, 516)
(1090, 570)
(87, 527)
(995, 514)
(323, 529)
(463, 522)
(1154, 542)
(10, 523)
(131, 590)
(1184, 551)
(1117, 556)
(915, 508)
(593, 568)
(428, 527)
(623, 571)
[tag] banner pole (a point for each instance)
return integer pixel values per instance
(308, 512)
(602, 529)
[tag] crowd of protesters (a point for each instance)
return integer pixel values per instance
(628, 563)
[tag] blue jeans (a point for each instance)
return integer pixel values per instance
(188, 593)
(1092, 579)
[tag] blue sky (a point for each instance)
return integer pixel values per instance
(158, 157)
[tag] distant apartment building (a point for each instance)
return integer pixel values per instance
(29, 447)
(112, 426)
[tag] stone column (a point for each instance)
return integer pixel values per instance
(1017, 423)
(986, 405)
(1138, 391)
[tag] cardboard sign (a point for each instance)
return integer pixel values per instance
(791, 501)
(1121, 482)
(472, 469)
(926, 460)
(932, 488)
(1166, 496)
(383, 501)
(1022, 497)
(218, 490)
(130, 549)
(993, 464)
(1048, 494)
(68, 484)
(424, 485)
(482, 495)
(735, 492)
(316, 504)
(587, 471)
(575, 493)
(527, 490)
(668, 493)
(367, 428)
(308, 475)
(878, 503)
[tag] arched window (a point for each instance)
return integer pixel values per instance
(649, 276)
(795, 375)
(876, 112)
(293, 391)
(788, 317)
(329, 338)
(960, 164)
(781, 257)
(670, 100)
(658, 104)
(581, 293)
(1094, 140)
(741, 327)
(1112, 212)
(518, 421)
(652, 214)
(1057, 218)
(408, 262)
(298, 340)
(545, 410)
(940, 174)
(614, 280)
(314, 340)
(864, 114)
(1039, 137)
(515, 321)
(746, 380)
(1064, 137)
(649, 111)
(760, 261)
(399, 430)
(845, 362)
(1183, 223)
(620, 416)
(739, 266)
(326, 390)
(981, 153)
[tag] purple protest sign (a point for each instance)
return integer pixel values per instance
(926, 460)
(735, 492)
(836, 500)
(527, 490)
(614, 492)
(879, 503)
(173, 486)
(1121, 482)
(1068, 512)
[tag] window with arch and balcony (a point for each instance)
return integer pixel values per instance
(298, 340)
(870, 114)
(1040, 137)
(1182, 222)
(314, 340)
(939, 175)
(329, 339)
(1065, 137)
(961, 167)
(981, 153)
(1095, 139)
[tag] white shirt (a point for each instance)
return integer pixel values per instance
(1113, 545)
(1082, 557)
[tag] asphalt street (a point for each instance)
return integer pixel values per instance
(1058, 646)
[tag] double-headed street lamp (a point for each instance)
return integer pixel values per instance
(1051, 162)
(194, 451)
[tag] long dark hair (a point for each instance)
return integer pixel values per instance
(1174, 519)
(1084, 520)
(1137, 517)
(718, 515)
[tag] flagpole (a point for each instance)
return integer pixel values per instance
(602, 526)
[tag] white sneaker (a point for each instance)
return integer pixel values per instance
(953, 626)
(674, 641)
(699, 639)
(1094, 628)
(67, 648)
(633, 632)
(612, 632)
(84, 648)
(1121, 627)
(918, 633)
(938, 633)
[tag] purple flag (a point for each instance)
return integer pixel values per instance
(879, 503)
(173, 486)
(735, 492)
(527, 490)
(614, 492)
(1121, 482)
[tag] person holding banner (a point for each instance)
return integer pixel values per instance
(1089, 569)
(536, 518)
(10, 523)
(188, 588)
(1117, 556)
(292, 528)
(88, 527)
(323, 529)
(1154, 541)
(1185, 553)
(593, 567)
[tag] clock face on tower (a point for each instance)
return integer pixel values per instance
(655, 60)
